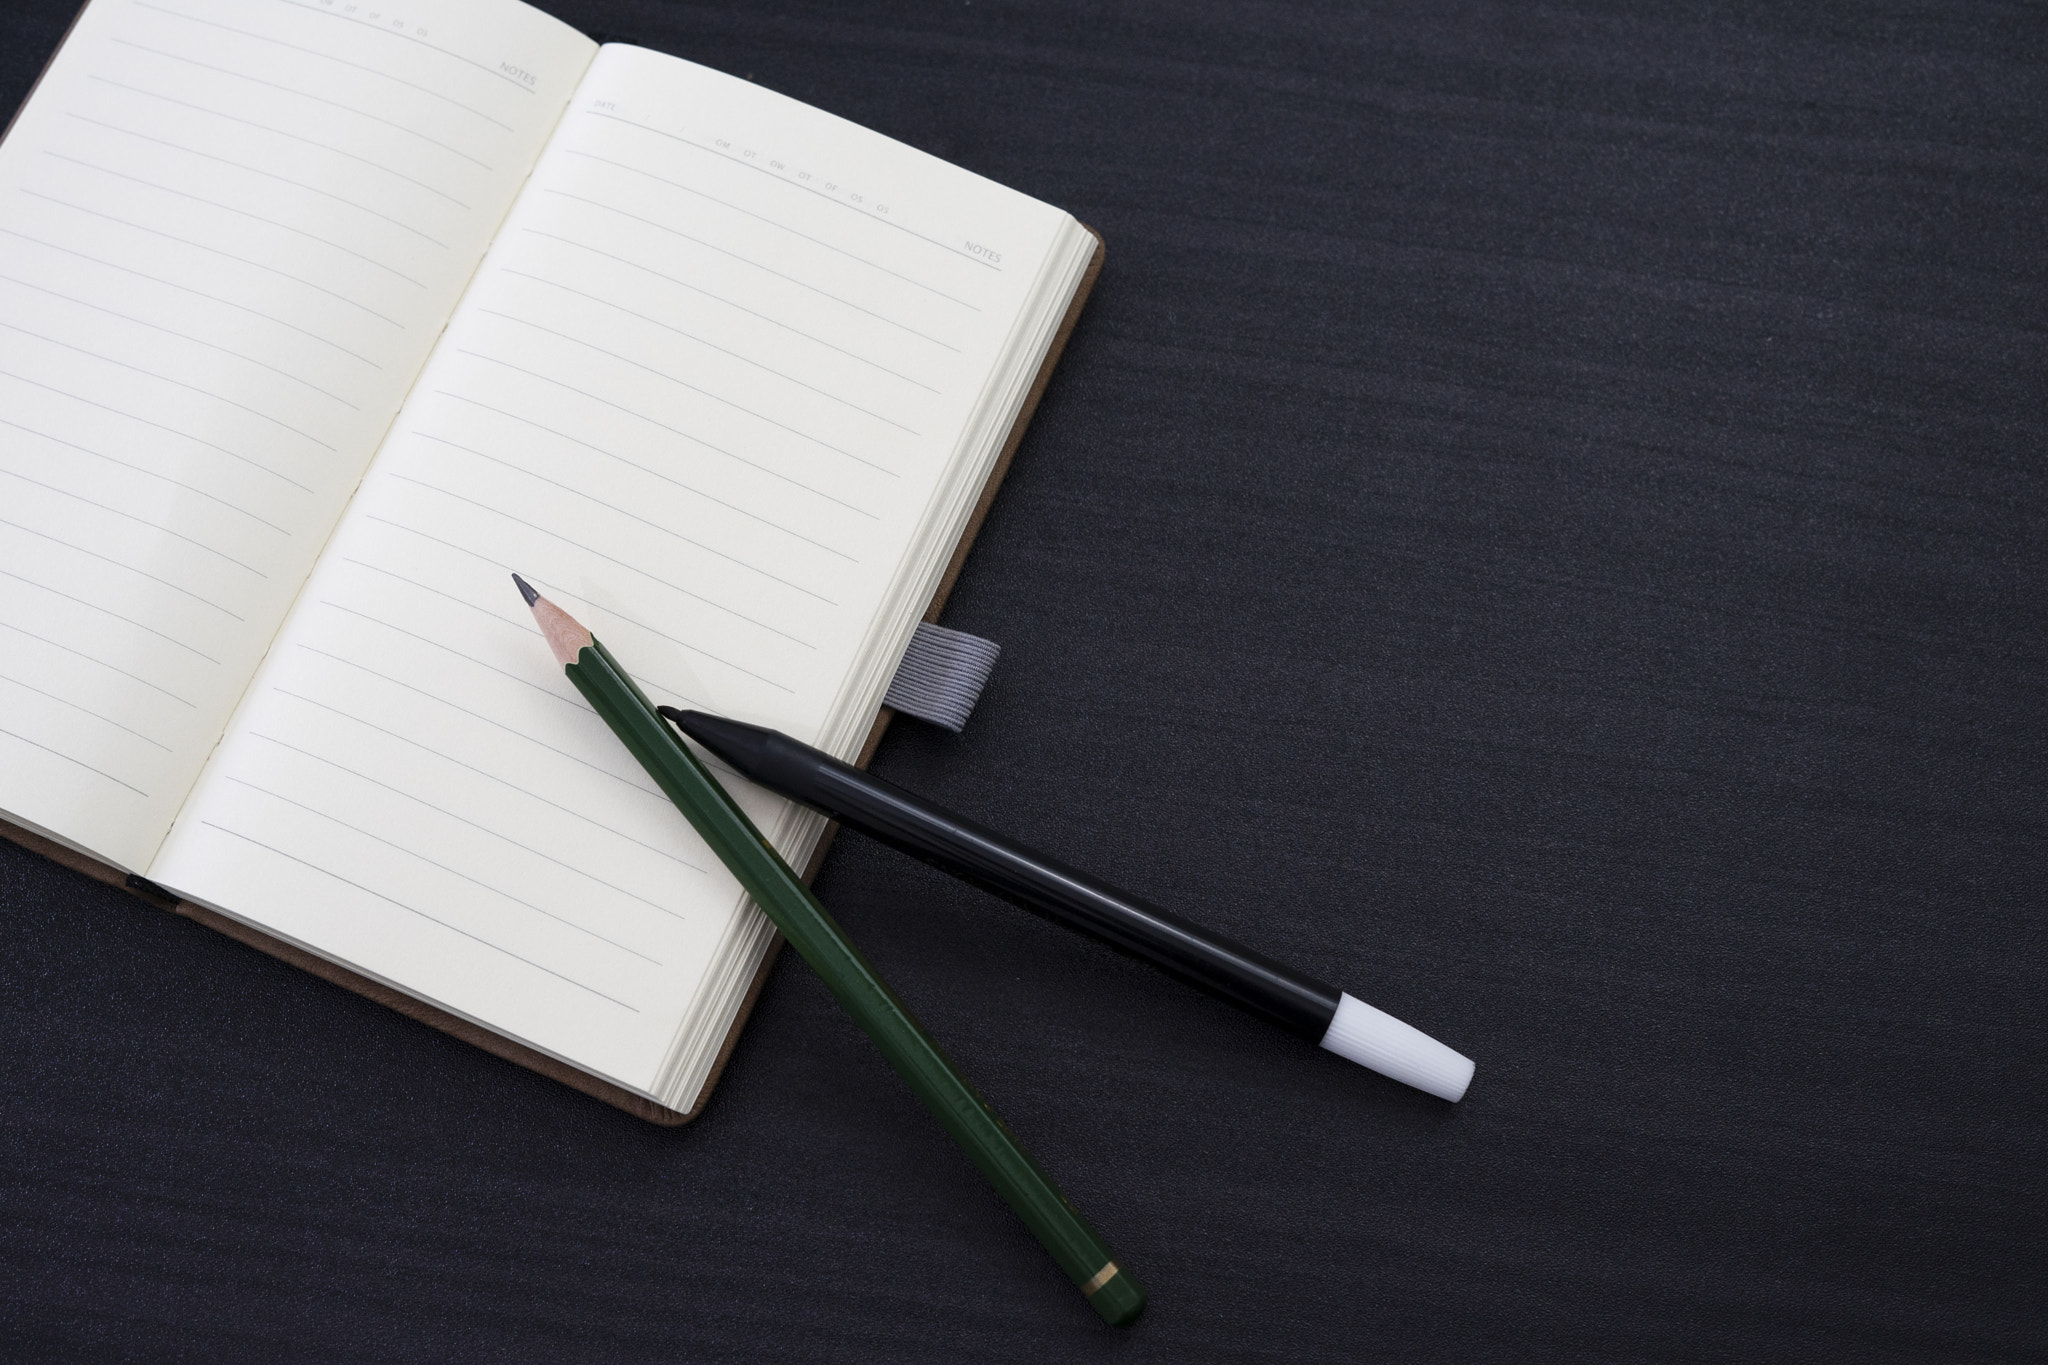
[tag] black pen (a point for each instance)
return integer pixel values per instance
(1323, 1014)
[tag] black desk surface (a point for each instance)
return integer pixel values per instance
(1544, 521)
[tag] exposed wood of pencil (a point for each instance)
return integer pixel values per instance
(565, 636)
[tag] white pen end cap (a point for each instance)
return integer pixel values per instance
(1380, 1042)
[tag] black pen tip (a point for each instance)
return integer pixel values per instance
(690, 723)
(526, 590)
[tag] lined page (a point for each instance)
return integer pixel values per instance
(230, 231)
(705, 393)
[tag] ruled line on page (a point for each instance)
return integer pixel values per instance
(453, 872)
(565, 699)
(639, 786)
(655, 473)
(655, 526)
(576, 599)
(704, 341)
(198, 440)
(258, 170)
(524, 627)
(188, 289)
(66, 701)
(279, 132)
(795, 185)
(132, 677)
(130, 516)
(720, 298)
(410, 38)
(648, 574)
(166, 379)
(570, 700)
(688, 436)
(411, 909)
(150, 473)
(183, 336)
(306, 94)
(126, 621)
(140, 573)
(653, 684)
(38, 744)
(501, 781)
(798, 432)
(480, 828)
(324, 56)
(229, 255)
(765, 269)
(230, 208)
(772, 222)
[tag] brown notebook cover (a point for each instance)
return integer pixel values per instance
(496, 1044)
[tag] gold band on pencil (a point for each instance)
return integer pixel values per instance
(1102, 1277)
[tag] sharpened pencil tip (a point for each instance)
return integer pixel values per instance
(566, 638)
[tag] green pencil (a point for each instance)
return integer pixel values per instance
(1059, 1227)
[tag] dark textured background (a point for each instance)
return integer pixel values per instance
(1544, 521)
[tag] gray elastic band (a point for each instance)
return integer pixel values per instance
(941, 676)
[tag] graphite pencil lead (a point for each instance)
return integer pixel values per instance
(566, 636)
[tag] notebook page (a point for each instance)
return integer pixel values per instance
(703, 393)
(230, 231)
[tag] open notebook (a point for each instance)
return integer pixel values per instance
(316, 319)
